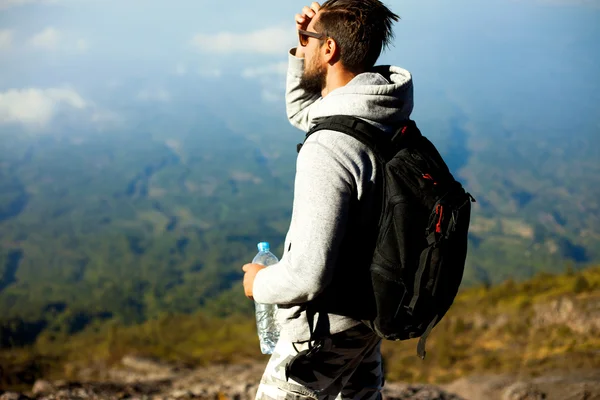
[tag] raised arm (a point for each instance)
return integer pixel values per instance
(298, 102)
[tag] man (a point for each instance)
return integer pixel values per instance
(321, 283)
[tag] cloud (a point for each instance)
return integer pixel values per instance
(267, 71)
(181, 69)
(36, 107)
(4, 4)
(5, 39)
(576, 3)
(114, 84)
(585, 3)
(48, 39)
(52, 39)
(82, 45)
(160, 95)
(105, 117)
(272, 79)
(210, 73)
(264, 41)
(272, 96)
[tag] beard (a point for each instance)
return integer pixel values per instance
(313, 79)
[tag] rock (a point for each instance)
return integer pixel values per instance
(501, 321)
(42, 387)
(181, 393)
(480, 386)
(146, 364)
(63, 394)
(480, 322)
(61, 383)
(576, 385)
(580, 315)
(416, 392)
(13, 396)
(240, 382)
(523, 391)
(198, 390)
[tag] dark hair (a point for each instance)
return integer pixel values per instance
(361, 29)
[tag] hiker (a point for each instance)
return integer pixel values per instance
(321, 283)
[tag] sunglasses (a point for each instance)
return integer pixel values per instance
(305, 35)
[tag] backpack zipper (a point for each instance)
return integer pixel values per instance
(429, 178)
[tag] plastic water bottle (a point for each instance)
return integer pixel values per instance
(268, 330)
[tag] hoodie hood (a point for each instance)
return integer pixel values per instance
(383, 96)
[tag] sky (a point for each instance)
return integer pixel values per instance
(517, 61)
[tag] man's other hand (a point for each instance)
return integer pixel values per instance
(250, 273)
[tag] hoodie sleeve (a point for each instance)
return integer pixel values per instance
(322, 192)
(298, 102)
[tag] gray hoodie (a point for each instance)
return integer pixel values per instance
(332, 169)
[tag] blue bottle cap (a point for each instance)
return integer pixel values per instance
(264, 246)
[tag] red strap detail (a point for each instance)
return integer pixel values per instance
(404, 130)
(429, 177)
(440, 211)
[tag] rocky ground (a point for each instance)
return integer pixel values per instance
(575, 385)
(140, 378)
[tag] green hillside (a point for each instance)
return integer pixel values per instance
(130, 225)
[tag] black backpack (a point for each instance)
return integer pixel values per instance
(419, 255)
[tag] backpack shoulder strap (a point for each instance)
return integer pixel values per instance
(372, 137)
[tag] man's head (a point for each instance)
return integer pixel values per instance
(347, 37)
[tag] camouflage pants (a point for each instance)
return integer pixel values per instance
(348, 366)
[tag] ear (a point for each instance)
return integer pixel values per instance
(330, 51)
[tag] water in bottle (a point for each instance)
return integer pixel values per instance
(268, 330)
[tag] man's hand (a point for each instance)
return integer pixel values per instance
(302, 21)
(250, 273)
